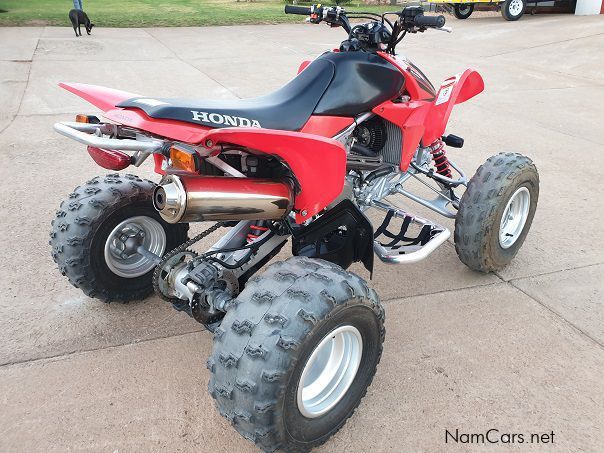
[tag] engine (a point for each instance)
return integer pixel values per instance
(378, 138)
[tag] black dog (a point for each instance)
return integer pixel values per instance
(77, 18)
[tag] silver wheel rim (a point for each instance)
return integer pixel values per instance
(515, 7)
(514, 217)
(329, 371)
(464, 8)
(121, 256)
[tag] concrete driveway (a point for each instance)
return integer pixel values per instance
(520, 351)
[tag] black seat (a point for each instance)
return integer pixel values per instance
(288, 108)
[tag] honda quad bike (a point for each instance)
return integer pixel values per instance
(296, 347)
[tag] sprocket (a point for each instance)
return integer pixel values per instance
(174, 259)
(158, 274)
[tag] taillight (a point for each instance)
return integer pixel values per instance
(109, 158)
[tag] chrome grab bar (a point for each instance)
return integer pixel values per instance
(92, 135)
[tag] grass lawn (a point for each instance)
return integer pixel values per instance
(149, 13)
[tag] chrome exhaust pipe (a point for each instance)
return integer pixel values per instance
(197, 199)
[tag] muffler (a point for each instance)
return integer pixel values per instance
(196, 199)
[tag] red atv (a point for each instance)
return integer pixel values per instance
(295, 348)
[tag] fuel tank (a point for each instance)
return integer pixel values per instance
(361, 81)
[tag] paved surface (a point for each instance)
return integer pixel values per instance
(521, 351)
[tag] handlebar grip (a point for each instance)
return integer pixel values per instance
(302, 10)
(429, 21)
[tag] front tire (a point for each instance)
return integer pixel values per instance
(86, 232)
(276, 345)
(513, 9)
(463, 10)
(496, 211)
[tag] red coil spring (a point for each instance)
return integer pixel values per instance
(441, 162)
(251, 237)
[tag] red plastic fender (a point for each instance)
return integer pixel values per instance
(106, 99)
(101, 97)
(454, 90)
(416, 90)
(410, 117)
(326, 126)
(318, 163)
(175, 130)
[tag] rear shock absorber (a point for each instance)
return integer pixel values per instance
(441, 162)
(251, 237)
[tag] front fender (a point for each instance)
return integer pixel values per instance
(454, 90)
(318, 163)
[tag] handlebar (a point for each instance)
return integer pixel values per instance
(410, 19)
(301, 10)
(429, 21)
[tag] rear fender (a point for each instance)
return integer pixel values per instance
(106, 99)
(101, 97)
(454, 90)
(175, 130)
(318, 163)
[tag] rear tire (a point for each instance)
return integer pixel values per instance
(89, 217)
(483, 241)
(261, 375)
(513, 9)
(463, 10)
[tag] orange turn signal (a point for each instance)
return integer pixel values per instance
(81, 118)
(183, 160)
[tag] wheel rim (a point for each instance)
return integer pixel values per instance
(515, 7)
(464, 9)
(329, 371)
(514, 217)
(121, 254)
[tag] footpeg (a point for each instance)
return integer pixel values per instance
(453, 141)
(398, 248)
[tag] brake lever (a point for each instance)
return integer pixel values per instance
(445, 29)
